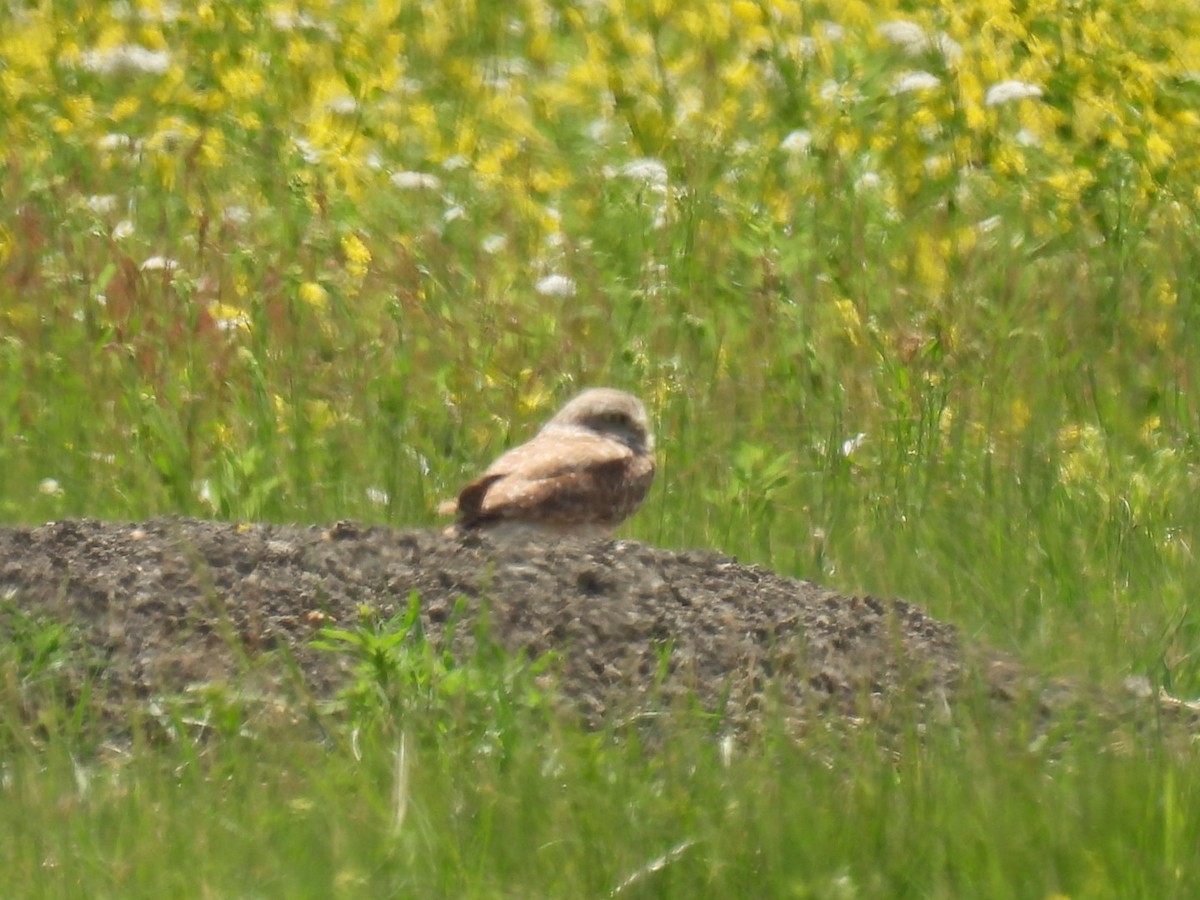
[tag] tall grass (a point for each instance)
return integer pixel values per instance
(904, 328)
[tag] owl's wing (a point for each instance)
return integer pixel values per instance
(575, 478)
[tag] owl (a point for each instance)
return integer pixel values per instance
(584, 473)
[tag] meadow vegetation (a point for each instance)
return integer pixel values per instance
(910, 290)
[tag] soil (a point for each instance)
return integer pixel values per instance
(172, 605)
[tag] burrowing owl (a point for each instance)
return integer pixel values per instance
(583, 474)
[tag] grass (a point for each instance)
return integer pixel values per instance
(291, 263)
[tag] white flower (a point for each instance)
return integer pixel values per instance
(797, 141)
(159, 264)
(988, 225)
(229, 318)
(102, 204)
(868, 181)
(114, 141)
(832, 30)
(345, 105)
(915, 81)
(454, 213)
(937, 165)
(912, 39)
(598, 131)
(122, 230)
(1007, 91)
(308, 152)
(1027, 138)
(286, 21)
(416, 181)
(803, 47)
(235, 215)
(127, 58)
(494, 243)
(650, 172)
(555, 286)
(950, 49)
(851, 445)
(50, 486)
(204, 493)
(908, 35)
(458, 161)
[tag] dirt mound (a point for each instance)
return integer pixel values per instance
(173, 604)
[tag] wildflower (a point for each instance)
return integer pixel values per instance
(837, 92)
(358, 256)
(938, 166)
(308, 152)
(122, 230)
(204, 493)
(868, 181)
(287, 21)
(915, 81)
(803, 47)
(50, 487)
(832, 31)
(344, 105)
(159, 264)
(235, 215)
(797, 142)
(1159, 150)
(1007, 91)
(229, 318)
(912, 39)
(314, 295)
(115, 141)
(416, 181)
(555, 286)
(650, 172)
(127, 58)
(102, 204)
(494, 243)
(852, 444)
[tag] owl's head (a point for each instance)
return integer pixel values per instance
(611, 413)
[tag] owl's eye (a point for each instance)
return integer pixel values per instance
(615, 418)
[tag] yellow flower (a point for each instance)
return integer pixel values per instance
(1164, 293)
(314, 295)
(745, 12)
(124, 108)
(242, 82)
(1070, 185)
(851, 321)
(1019, 414)
(358, 257)
(1159, 151)
(930, 267)
(1009, 160)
